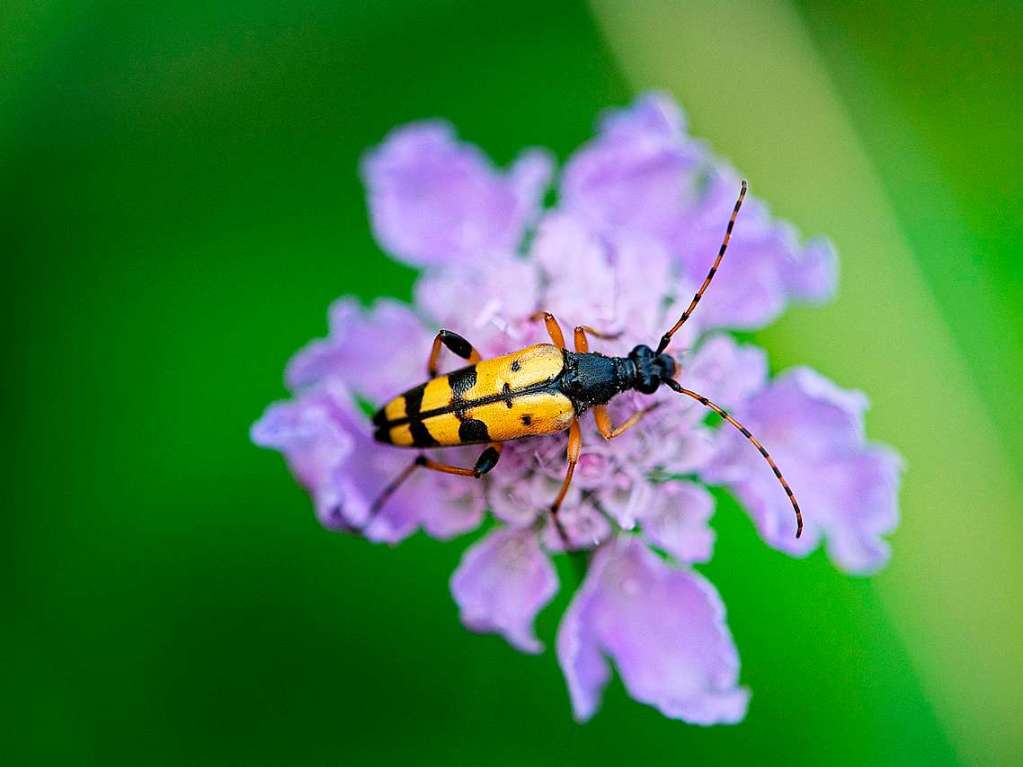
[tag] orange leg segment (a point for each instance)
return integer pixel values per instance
(553, 328)
(609, 431)
(575, 443)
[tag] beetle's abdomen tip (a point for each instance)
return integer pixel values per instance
(382, 434)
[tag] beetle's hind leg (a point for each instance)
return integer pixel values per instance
(486, 462)
(456, 344)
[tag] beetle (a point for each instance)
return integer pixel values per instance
(539, 390)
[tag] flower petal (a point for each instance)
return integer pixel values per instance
(503, 581)
(665, 630)
(360, 350)
(675, 518)
(725, 371)
(639, 173)
(643, 173)
(847, 487)
(434, 200)
(485, 301)
(328, 445)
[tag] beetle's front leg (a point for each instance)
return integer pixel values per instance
(553, 328)
(582, 344)
(456, 344)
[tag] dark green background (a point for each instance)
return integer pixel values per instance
(180, 204)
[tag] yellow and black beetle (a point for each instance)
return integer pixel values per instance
(542, 389)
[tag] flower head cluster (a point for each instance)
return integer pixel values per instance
(639, 217)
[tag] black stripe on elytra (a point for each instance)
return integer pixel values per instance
(544, 387)
(421, 436)
(473, 430)
(383, 434)
(413, 401)
(461, 381)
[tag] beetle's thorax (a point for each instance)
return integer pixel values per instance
(592, 379)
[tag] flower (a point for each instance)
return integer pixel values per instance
(641, 210)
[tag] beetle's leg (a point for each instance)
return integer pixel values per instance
(553, 328)
(607, 430)
(456, 344)
(575, 443)
(488, 460)
(581, 342)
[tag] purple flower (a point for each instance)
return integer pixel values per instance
(665, 630)
(641, 213)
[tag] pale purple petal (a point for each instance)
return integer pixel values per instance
(578, 271)
(639, 174)
(676, 518)
(765, 267)
(486, 301)
(811, 275)
(579, 652)
(328, 445)
(611, 281)
(663, 628)
(458, 503)
(585, 527)
(503, 581)
(516, 498)
(434, 200)
(724, 371)
(361, 350)
(847, 487)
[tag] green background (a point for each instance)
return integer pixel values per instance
(179, 204)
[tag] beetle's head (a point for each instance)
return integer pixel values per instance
(651, 368)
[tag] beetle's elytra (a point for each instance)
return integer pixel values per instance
(539, 390)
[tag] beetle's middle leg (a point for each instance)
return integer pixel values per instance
(575, 443)
(582, 344)
(488, 460)
(456, 344)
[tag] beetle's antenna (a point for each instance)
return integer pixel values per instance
(666, 338)
(676, 386)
